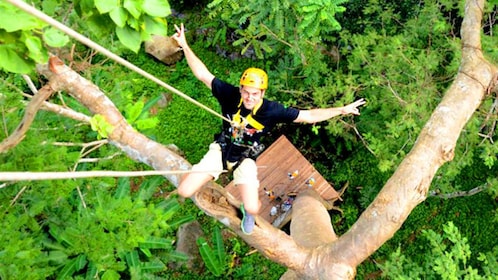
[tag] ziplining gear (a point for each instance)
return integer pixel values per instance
(254, 77)
(233, 147)
(240, 123)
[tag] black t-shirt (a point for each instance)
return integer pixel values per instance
(269, 114)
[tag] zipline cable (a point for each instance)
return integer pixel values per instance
(88, 42)
(32, 176)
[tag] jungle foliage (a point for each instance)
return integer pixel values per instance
(399, 55)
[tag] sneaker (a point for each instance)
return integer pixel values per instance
(247, 224)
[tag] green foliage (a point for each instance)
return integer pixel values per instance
(132, 21)
(214, 257)
(270, 28)
(99, 124)
(125, 233)
(22, 47)
(450, 254)
(400, 55)
(138, 114)
(20, 44)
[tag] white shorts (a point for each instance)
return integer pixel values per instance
(246, 173)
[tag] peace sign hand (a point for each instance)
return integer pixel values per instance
(353, 107)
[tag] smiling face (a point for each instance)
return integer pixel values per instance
(251, 96)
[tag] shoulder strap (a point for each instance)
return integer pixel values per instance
(250, 120)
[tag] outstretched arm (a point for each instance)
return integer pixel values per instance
(196, 65)
(318, 115)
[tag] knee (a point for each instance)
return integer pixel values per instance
(192, 183)
(185, 188)
(252, 207)
(183, 191)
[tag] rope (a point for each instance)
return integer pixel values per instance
(32, 176)
(86, 41)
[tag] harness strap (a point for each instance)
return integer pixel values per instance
(249, 119)
(226, 142)
(226, 148)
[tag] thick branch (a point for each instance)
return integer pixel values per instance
(28, 118)
(63, 111)
(135, 145)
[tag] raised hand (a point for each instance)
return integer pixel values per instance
(353, 107)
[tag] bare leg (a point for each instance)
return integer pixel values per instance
(246, 179)
(250, 198)
(193, 182)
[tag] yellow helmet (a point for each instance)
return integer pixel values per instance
(254, 77)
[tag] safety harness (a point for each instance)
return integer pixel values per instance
(232, 143)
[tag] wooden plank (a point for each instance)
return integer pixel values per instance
(274, 167)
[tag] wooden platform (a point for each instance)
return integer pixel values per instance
(278, 186)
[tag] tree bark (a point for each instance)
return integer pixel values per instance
(326, 257)
(30, 114)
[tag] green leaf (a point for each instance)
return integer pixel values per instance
(55, 38)
(100, 124)
(110, 275)
(68, 270)
(91, 271)
(154, 266)
(181, 220)
(56, 256)
(36, 50)
(80, 262)
(155, 25)
(11, 61)
(129, 38)
(105, 6)
(49, 6)
(123, 188)
(156, 8)
(13, 19)
(177, 256)
(218, 245)
(132, 259)
(156, 243)
(209, 257)
(133, 7)
(149, 187)
(146, 252)
(147, 123)
(133, 111)
(73, 266)
(151, 103)
(119, 16)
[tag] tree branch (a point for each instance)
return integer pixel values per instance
(435, 145)
(31, 110)
(471, 192)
